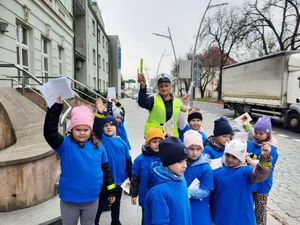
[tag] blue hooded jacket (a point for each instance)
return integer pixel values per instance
(199, 200)
(141, 168)
(167, 202)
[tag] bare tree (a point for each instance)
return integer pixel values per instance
(226, 28)
(273, 24)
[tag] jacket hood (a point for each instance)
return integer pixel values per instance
(162, 174)
(211, 141)
(146, 150)
(201, 160)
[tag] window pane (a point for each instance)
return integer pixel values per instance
(60, 68)
(17, 32)
(24, 36)
(18, 55)
(25, 57)
(59, 53)
(45, 46)
(45, 64)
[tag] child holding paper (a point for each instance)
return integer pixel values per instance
(262, 139)
(142, 167)
(233, 183)
(119, 161)
(167, 201)
(198, 169)
(84, 164)
(222, 134)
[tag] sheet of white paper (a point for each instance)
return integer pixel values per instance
(168, 127)
(111, 92)
(243, 119)
(191, 88)
(56, 87)
(216, 163)
(195, 184)
(126, 185)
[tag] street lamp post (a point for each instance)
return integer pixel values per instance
(163, 55)
(170, 38)
(209, 6)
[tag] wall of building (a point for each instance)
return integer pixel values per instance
(37, 20)
(115, 63)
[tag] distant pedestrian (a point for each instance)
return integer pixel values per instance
(262, 137)
(232, 200)
(119, 161)
(222, 134)
(167, 201)
(84, 165)
(143, 165)
(198, 170)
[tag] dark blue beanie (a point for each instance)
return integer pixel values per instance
(222, 127)
(172, 150)
(111, 120)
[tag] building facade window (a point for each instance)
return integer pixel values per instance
(103, 41)
(94, 56)
(106, 46)
(45, 58)
(99, 61)
(107, 67)
(95, 83)
(94, 27)
(22, 49)
(98, 35)
(100, 84)
(103, 64)
(60, 61)
(104, 88)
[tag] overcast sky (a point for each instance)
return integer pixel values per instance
(134, 21)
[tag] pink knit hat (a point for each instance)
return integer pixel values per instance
(192, 137)
(81, 115)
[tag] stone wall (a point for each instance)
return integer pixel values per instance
(7, 133)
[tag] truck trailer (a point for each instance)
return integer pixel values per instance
(269, 86)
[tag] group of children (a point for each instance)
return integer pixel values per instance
(172, 179)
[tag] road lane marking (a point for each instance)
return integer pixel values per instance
(282, 135)
(298, 140)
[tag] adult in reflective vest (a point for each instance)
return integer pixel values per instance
(162, 106)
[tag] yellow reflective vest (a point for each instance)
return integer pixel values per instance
(157, 116)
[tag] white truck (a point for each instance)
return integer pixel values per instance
(269, 85)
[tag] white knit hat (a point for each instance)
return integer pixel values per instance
(237, 148)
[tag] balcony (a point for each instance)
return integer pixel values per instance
(80, 48)
(79, 7)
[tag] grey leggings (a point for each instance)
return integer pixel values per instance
(70, 212)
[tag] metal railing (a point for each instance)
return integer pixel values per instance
(15, 79)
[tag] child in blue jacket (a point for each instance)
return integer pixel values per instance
(119, 114)
(119, 161)
(262, 137)
(167, 201)
(232, 201)
(222, 134)
(191, 120)
(84, 164)
(199, 169)
(142, 166)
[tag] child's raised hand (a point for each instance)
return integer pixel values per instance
(100, 107)
(133, 200)
(111, 199)
(59, 100)
(186, 100)
(266, 147)
(265, 152)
